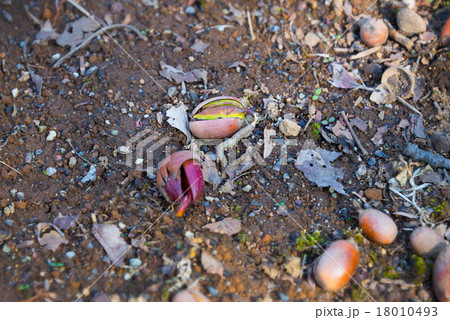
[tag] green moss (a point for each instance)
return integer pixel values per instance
(307, 241)
(390, 272)
(242, 237)
(315, 129)
(373, 257)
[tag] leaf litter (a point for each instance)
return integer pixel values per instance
(51, 240)
(111, 240)
(343, 79)
(179, 76)
(177, 118)
(228, 226)
(211, 264)
(315, 163)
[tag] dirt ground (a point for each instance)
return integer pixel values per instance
(93, 115)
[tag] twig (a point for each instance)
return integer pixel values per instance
(307, 124)
(353, 134)
(409, 106)
(250, 25)
(11, 167)
(401, 39)
(95, 35)
(231, 142)
(434, 160)
(76, 152)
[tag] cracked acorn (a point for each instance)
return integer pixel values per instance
(180, 179)
(219, 118)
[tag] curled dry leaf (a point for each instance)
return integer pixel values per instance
(342, 78)
(228, 226)
(315, 163)
(377, 139)
(177, 118)
(268, 145)
(179, 76)
(51, 240)
(109, 237)
(210, 173)
(211, 264)
(77, 31)
(47, 32)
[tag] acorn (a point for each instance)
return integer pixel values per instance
(180, 179)
(219, 118)
(445, 33)
(441, 275)
(336, 265)
(427, 242)
(373, 32)
(377, 226)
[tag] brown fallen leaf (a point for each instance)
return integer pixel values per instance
(109, 237)
(377, 139)
(210, 173)
(179, 76)
(199, 46)
(75, 32)
(177, 118)
(228, 226)
(52, 240)
(211, 264)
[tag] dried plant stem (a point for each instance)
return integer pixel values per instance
(231, 142)
(5, 164)
(409, 106)
(76, 152)
(353, 134)
(250, 26)
(95, 35)
(434, 160)
(401, 39)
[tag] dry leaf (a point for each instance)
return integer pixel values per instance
(211, 264)
(268, 144)
(315, 163)
(179, 76)
(340, 130)
(76, 32)
(228, 187)
(47, 32)
(38, 82)
(177, 118)
(65, 222)
(210, 173)
(109, 237)
(52, 240)
(342, 78)
(199, 46)
(228, 226)
(377, 139)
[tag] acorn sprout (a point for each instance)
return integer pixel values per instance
(180, 179)
(219, 118)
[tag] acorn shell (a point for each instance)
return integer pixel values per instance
(216, 128)
(441, 275)
(427, 242)
(378, 226)
(374, 32)
(336, 265)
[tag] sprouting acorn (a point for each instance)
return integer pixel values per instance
(218, 118)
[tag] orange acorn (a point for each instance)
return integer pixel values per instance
(336, 265)
(373, 32)
(427, 242)
(441, 275)
(378, 226)
(445, 33)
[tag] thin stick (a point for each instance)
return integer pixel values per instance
(250, 25)
(11, 167)
(353, 134)
(307, 124)
(95, 35)
(401, 39)
(409, 106)
(76, 152)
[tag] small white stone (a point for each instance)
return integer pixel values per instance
(127, 276)
(50, 171)
(24, 77)
(289, 128)
(15, 92)
(139, 161)
(114, 132)
(72, 162)
(247, 188)
(122, 225)
(70, 254)
(191, 59)
(124, 150)
(51, 135)
(107, 122)
(142, 81)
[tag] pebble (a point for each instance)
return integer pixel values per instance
(114, 132)
(6, 249)
(289, 128)
(135, 262)
(24, 77)
(190, 10)
(410, 22)
(172, 91)
(70, 254)
(380, 154)
(72, 162)
(123, 110)
(15, 92)
(213, 291)
(122, 225)
(142, 81)
(56, 56)
(9, 222)
(51, 135)
(247, 188)
(373, 193)
(28, 157)
(371, 161)
(127, 276)
(20, 196)
(4, 235)
(283, 297)
(50, 171)
(311, 39)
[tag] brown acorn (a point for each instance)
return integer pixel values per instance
(378, 226)
(218, 118)
(373, 32)
(427, 242)
(336, 265)
(441, 275)
(445, 33)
